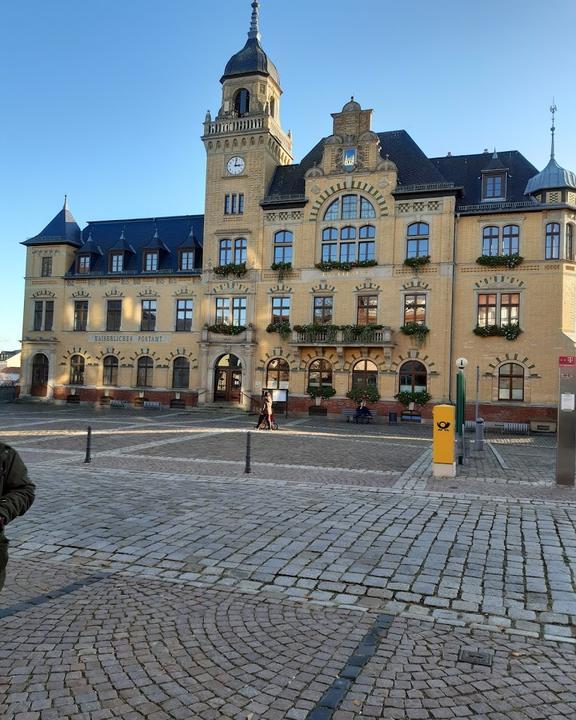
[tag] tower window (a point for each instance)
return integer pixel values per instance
(283, 246)
(234, 204)
(552, 248)
(46, 267)
(417, 240)
(242, 102)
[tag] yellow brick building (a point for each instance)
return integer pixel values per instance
(365, 269)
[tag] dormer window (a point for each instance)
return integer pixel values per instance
(83, 265)
(116, 262)
(186, 260)
(151, 261)
(494, 186)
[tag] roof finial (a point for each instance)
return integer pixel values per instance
(65, 202)
(254, 33)
(553, 110)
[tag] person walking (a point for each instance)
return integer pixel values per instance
(16, 497)
(266, 412)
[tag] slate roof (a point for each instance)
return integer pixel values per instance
(466, 170)
(552, 177)
(414, 168)
(167, 234)
(62, 230)
(250, 60)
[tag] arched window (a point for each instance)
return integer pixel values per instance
(181, 373)
(552, 249)
(242, 102)
(510, 240)
(77, 364)
(283, 240)
(413, 377)
(277, 374)
(145, 371)
(364, 375)
(240, 249)
(417, 240)
(320, 374)
(350, 207)
(490, 240)
(511, 382)
(225, 254)
(569, 241)
(110, 370)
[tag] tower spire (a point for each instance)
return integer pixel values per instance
(553, 110)
(254, 33)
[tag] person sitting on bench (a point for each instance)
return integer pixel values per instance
(362, 412)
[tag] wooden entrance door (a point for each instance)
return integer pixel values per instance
(228, 379)
(39, 384)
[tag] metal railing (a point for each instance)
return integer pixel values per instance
(352, 336)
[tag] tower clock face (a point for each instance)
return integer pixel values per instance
(236, 165)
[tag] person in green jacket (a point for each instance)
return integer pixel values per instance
(16, 496)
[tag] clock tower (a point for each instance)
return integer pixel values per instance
(245, 143)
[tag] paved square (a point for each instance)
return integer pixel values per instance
(162, 581)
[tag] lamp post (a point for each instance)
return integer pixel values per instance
(461, 364)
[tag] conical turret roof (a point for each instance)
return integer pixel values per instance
(62, 230)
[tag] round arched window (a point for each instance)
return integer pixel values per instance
(364, 375)
(277, 374)
(413, 377)
(77, 364)
(181, 373)
(320, 374)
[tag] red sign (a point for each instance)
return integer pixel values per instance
(567, 360)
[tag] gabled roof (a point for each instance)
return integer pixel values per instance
(414, 168)
(62, 230)
(466, 171)
(138, 235)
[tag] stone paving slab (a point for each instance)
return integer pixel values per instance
(256, 596)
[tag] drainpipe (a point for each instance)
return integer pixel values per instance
(452, 309)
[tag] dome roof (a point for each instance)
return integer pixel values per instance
(552, 177)
(351, 106)
(251, 59)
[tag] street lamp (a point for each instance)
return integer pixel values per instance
(461, 364)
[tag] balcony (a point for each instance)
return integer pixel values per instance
(349, 336)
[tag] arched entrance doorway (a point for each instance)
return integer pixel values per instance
(39, 384)
(228, 379)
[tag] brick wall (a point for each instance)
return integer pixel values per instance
(95, 396)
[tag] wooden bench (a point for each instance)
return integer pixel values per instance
(350, 414)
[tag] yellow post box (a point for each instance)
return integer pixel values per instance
(444, 449)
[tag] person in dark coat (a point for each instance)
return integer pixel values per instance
(362, 411)
(16, 496)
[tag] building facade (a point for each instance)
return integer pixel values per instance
(366, 268)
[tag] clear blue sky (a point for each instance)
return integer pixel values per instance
(105, 99)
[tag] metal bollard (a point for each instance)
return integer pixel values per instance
(88, 457)
(479, 437)
(248, 469)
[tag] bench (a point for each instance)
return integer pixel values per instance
(350, 414)
(73, 399)
(118, 403)
(410, 417)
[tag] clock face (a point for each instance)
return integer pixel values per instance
(236, 165)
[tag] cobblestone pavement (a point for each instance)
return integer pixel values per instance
(336, 580)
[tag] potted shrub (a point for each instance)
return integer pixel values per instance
(509, 261)
(370, 394)
(417, 262)
(417, 330)
(238, 270)
(282, 328)
(319, 393)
